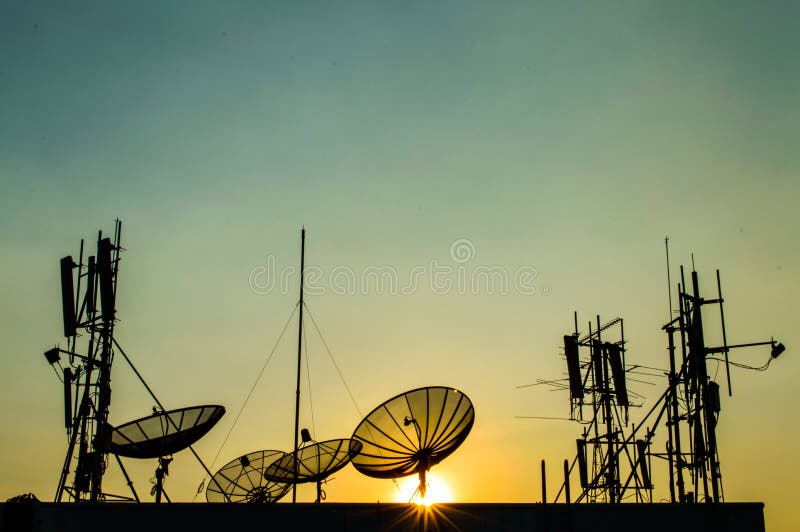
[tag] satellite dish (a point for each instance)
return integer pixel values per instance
(164, 433)
(313, 463)
(412, 432)
(242, 480)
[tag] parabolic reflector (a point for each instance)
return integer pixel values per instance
(242, 480)
(412, 432)
(164, 433)
(313, 463)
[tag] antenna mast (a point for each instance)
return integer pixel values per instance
(694, 395)
(610, 465)
(87, 377)
(669, 281)
(299, 362)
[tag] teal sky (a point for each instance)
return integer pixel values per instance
(570, 137)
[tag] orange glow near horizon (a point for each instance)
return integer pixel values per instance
(438, 491)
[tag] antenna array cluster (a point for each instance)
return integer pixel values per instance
(614, 459)
(610, 466)
(408, 434)
(89, 332)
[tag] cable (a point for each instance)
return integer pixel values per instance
(250, 393)
(153, 395)
(660, 370)
(745, 366)
(335, 365)
(308, 378)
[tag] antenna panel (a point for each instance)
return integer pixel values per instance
(68, 296)
(614, 354)
(573, 367)
(105, 272)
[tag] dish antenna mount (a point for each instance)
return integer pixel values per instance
(412, 432)
(162, 434)
(313, 463)
(242, 480)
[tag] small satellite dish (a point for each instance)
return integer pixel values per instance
(412, 432)
(242, 480)
(313, 463)
(164, 433)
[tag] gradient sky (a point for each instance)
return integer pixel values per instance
(570, 137)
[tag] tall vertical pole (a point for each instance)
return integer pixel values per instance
(706, 413)
(669, 282)
(544, 484)
(299, 363)
(724, 336)
(689, 379)
(684, 328)
(108, 257)
(595, 405)
(674, 417)
(611, 466)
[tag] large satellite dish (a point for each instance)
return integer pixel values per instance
(313, 463)
(412, 432)
(242, 480)
(164, 433)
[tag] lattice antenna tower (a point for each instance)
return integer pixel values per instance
(89, 334)
(611, 467)
(693, 397)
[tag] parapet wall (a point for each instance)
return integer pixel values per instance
(334, 517)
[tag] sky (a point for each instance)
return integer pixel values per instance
(558, 143)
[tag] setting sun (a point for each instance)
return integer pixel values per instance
(438, 490)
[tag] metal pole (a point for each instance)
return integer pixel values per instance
(671, 463)
(171, 421)
(299, 364)
(566, 481)
(611, 477)
(104, 372)
(159, 483)
(127, 478)
(622, 350)
(72, 442)
(80, 422)
(595, 423)
(674, 417)
(724, 336)
(544, 484)
(703, 389)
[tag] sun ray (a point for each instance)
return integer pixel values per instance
(438, 490)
